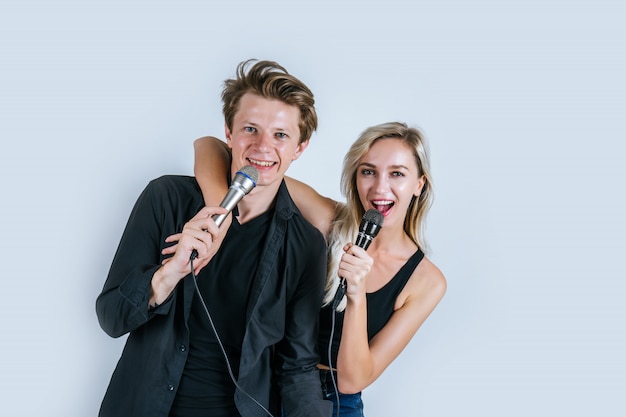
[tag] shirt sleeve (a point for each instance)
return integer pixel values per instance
(122, 305)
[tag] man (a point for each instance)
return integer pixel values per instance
(261, 282)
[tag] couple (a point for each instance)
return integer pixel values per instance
(261, 275)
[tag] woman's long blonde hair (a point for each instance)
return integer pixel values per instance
(348, 217)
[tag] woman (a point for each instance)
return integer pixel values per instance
(392, 288)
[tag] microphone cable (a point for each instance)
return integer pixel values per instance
(371, 222)
(219, 342)
(330, 356)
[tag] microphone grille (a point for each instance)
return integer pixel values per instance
(251, 172)
(373, 216)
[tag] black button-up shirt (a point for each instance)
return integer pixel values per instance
(278, 354)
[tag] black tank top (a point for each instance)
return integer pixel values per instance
(379, 310)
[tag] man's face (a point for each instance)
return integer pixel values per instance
(265, 134)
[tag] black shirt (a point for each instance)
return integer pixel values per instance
(206, 387)
(278, 354)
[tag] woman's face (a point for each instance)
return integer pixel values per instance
(387, 178)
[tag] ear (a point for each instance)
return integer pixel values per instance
(421, 181)
(301, 147)
(227, 134)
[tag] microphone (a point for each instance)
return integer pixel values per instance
(371, 223)
(245, 180)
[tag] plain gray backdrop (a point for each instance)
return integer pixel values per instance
(522, 102)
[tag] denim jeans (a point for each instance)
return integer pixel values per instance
(350, 405)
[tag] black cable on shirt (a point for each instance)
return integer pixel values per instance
(219, 342)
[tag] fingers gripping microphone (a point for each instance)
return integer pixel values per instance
(245, 180)
(371, 223)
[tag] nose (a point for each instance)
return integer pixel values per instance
(264, 140)
(381, 184)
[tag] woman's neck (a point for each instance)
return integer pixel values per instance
(392, 241)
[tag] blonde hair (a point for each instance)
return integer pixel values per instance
(346, 224)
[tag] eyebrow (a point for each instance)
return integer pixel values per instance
(369, 165)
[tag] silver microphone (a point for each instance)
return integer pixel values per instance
(245, 180)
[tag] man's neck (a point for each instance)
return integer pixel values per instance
(257, 202)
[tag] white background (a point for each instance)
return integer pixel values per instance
(523, 103)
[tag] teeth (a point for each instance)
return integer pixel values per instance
(383, 202)
(261, 163)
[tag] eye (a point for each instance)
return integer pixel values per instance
(397, 174)
(281, 135)
(367, 172)
(249, 129)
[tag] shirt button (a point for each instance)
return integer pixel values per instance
(182, 348)
(170, 387)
